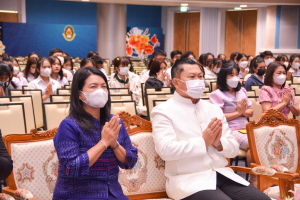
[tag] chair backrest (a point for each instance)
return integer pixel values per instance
(28, 108)
(121, 97)
(257, 109)
(60, 98)
(146, 180)
(256, 89)
(4, 100)
(37, 106)
(164, 90)
(54, 113)
(67, 87)
(208, 81)
(274, 139)
(296, 87)
(143, 93)
(251, 93)
(35, 163)
(15, 92)
(213, 85)
(127, 106)
(296, 79)
(24, 87)
(115, 91)
(205, 94)
(151, 97)
(12, 118)
(157, 102)
(63, 91)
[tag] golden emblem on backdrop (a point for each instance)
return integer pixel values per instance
(69, 33)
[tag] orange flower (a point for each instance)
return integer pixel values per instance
(149, 49)
(153, 39)
(135, 40)
(277, 151)
(145, 39)
(128, 50)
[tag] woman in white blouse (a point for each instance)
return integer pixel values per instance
(57, 72)
(29, 73)
(16, 73)
(124, 79)
(212, 69)
(44, 81)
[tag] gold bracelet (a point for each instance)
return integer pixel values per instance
(104, 144)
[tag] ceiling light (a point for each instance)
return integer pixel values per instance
(85, 0)
(243, 6)
(184, 4)
(237, 8)
(8, 11)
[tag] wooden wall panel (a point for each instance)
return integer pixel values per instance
(8, 17)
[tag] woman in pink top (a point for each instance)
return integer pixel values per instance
(274, 94)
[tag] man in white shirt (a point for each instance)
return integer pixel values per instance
(193, 138)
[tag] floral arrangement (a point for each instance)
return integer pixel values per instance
(2, 47)
(138, 43)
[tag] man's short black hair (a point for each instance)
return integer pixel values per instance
(97, 59)
(266, 53)
(159, 52)
(175, 52)
(178, 66)
(55, 50)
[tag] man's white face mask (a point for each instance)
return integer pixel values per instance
(195, 88)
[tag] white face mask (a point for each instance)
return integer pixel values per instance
(244, 64)
(46, 72)
(233, 82)
(16, 70)
(195, 88)
(286, 64)
(279, 79)
(216, 70)
(96, 99)
(124, 70)
(296, 65)
(32, 71)
(68, 68)
(268, 61)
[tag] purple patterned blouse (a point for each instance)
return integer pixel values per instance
(76, 180)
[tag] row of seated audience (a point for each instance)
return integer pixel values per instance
(54, 72)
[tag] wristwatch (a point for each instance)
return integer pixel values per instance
(291, 104)
(116, 146)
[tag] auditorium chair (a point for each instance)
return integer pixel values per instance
(55, 113)
(121, 97)
(115, 91)
(60, 98)
(127, 106)
(12, 118)
(296, 79)
(256, 89)
(151, 97)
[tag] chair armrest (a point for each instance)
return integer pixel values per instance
(287, 175)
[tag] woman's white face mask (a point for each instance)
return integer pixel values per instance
(96, 99)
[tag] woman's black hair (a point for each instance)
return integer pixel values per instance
(187, 54)
(30, 61)
(233, 55)
(91, 53)
(214, 62)
(32, 53)
(266, 53)
(201, 58)
(240, 56)
(67, 59)
(84, 61)
(254, 63)
(39, 64)
(226, 69)
(11, 68)
(83, 118)
(155, 67)
(280, 57)
(52, 61)
(206, 56)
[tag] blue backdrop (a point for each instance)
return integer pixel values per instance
(21, 39)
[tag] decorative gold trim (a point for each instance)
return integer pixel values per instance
(48, 133)
(128, 120)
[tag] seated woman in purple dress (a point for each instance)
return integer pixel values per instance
(91, 143)
(232, 98)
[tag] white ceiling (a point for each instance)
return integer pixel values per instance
(202, 3)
